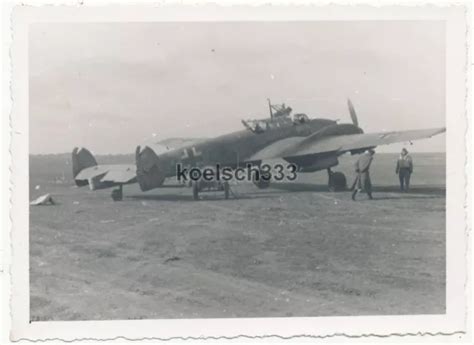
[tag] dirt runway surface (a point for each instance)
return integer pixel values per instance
(294, 249)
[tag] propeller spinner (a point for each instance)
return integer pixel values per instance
(353, 113)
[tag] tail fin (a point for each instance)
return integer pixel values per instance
(81, 158)
(149, 170)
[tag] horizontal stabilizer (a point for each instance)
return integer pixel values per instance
(120, 174)
(91, 172)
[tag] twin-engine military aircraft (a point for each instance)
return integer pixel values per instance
(310, 144)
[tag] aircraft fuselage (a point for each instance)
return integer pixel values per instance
(226, 150)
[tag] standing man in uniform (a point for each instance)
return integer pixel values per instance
(404, 169)
(362, 167)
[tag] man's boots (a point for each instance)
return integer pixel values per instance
(354, 193)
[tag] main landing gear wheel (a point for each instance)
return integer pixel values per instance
(337, 181)
(199, 186)
(117, 194)
(226, 189)
(195, 186)
(264, 181)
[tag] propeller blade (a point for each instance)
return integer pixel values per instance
(353, 113)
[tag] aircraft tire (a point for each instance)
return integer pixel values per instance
(337, 182)
(117, 194)
(195, 186)
(263, 183)
(226, 190)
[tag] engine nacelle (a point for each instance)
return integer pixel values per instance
(316, 162)
(311, 164)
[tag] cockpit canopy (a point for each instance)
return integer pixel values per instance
(300, 118)
(260, 126)
(280, 116)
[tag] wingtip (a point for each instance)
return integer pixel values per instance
(436, 131)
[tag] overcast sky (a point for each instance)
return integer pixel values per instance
(113, 86)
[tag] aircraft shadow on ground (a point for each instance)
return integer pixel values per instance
(431, 191)
(299, 187)
(419, 192)
(425, 190)
(189, 198)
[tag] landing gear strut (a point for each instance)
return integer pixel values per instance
(264, 181)
(195, 186)
(336, 181)
(117, 194)
(203, 186)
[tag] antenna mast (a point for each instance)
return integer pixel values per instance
(270, 107)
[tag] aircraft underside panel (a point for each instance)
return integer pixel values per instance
(311, 163)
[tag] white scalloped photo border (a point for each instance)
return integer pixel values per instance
(454, 324)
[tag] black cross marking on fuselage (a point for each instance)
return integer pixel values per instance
(191, 154)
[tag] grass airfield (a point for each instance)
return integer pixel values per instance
(293, 249)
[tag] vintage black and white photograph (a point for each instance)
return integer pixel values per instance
(213, 169)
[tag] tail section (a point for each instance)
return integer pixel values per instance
(150, 173)
(81, 159)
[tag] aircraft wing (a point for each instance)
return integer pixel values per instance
(338, 144)
(277, 149)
